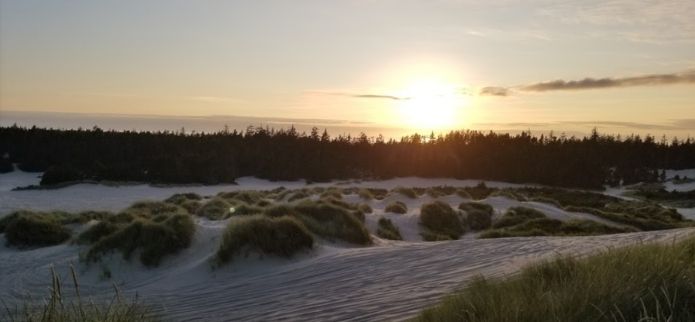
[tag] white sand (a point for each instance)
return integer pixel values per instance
(391, 282)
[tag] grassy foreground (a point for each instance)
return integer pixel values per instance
(57, 307)
(639, 283)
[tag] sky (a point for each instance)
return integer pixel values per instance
(624, 66)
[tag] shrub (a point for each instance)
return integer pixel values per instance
(639, 283)
(215, 209)
(245, 209)
(155, 239)
(396, 207)
(365, 208)
(282, 236)
(34, 229)
(249, 197)
(60, 174)
(387, 230)
(191, 206)
(439, 218)
(478, 215)
(408, 192)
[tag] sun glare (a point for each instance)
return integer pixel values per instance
(431, 104)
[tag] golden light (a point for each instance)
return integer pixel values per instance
(431, 104)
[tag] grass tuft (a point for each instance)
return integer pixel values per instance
(283, 236)
(387, 230)
(154, 239)
(478, 215)
(396, 207)
(34, 229)
(440, 219)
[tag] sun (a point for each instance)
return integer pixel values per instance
(431, 104)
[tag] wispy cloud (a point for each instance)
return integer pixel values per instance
(363, 95)
(494, 91)
(593, 83)
(687, 77)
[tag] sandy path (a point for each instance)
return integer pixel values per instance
(392, 282)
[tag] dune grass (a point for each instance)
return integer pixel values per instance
(478, 215)
(439, 220)
(522, 221)
(59, 307)
(282, 236)
(638, 283)
(155, 238)
(478, 192)
(365, 208)
(330, 220)
(387, 230)
(215, 209)
(407, 192)
(34, 229)
(440, 191)
(396, 207)
(644, 216)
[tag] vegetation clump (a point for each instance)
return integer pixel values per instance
(326, 220)
(365, 208)
(440, 219)
(440, 191)
(282, 236)
(97, 232)
(639, 283)
(34, 229)
(480, 191)
(155, 238)
(387, 230)
(478, 215)
(215, 209)
(407, 192)
(396, 207)
(522, 221)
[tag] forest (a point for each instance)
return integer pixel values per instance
(286, 154)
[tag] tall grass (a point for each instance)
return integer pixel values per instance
(58, 308)
(639, 283)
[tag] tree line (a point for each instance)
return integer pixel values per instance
(286, 154)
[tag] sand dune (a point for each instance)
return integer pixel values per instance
(393, 281)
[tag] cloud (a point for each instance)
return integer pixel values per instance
(390, 97)
(494, 91)
(363, 95)
(672, 125)
(594, 83)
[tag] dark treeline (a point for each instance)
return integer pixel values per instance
(169, 157)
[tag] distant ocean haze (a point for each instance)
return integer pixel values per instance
(207, 124)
